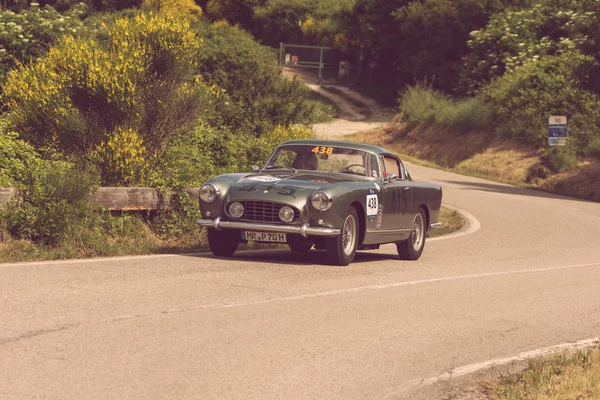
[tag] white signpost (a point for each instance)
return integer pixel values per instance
(557, 130)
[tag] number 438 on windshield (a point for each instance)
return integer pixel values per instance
(322, 150)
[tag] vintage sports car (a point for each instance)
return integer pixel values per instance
(336, 196)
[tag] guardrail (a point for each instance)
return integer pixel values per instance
(117, 198)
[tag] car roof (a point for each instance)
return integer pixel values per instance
(334, 143)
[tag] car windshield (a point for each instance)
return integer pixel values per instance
(325, 158)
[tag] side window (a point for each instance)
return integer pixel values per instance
(374, 167)
(403, 171)
(391, 167)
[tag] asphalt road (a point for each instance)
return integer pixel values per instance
(278, 325)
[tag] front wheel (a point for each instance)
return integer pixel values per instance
(342, 249)
(412, 248)
(223, 243)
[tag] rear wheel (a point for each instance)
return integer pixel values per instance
(412, 248)
(223, 243)
(342, 249)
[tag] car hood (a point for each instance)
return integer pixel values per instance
(282, 188)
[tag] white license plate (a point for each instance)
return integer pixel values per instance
(264, 237)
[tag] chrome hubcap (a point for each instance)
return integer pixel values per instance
(418, 232)
(349, 235)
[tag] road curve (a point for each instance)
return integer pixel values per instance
(274, 324)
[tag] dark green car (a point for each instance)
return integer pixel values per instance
(336, 196)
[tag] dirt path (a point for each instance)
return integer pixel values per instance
(356, 113)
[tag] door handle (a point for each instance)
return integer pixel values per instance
(406, 189)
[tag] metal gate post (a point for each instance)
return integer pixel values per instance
(281, 51)
(320, 64)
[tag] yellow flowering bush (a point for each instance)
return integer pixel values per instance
(177, 8)
(140, 73)
(124, 157)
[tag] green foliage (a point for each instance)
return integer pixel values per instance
(140, 76)
(27, 35)
(559, 159)
(180, 219)
(16, 158)
(524, 100)
(254, 97)
(54, 204)
(177, 8)
(594, 148)
(515, 37)
(420, 104)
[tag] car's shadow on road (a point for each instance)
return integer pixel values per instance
(287, 257)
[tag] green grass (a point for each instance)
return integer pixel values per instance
(564, 376)
(324, 109)
(423, 105)
(452, 221)
(137, 239)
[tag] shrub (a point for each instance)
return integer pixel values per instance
(177, 8)
(16, 158)
(524, 100)
(55, 203)
(27, 35)
(420, 104)
(559, 159)
(139, 76)
(255, 97)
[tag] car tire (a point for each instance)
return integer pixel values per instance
(342, 249)
(297, 247)
(223, 243)
(412, 248)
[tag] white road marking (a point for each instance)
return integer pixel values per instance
(95, 260)
(300, 297)
(497, 362)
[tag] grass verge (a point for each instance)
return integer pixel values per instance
(139, 240)
(452, 221)
(564, 376)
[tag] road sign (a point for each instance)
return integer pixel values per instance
(557, 130)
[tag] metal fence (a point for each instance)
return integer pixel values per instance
(330, 62)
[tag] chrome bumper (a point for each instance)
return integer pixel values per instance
(305, 229)
(437, 225)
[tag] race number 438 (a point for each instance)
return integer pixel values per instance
(372, 204)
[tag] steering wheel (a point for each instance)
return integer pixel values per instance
(346, 169)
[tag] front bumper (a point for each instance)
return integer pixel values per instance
(305, 229)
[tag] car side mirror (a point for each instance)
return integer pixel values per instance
(391, 177)
(255, 168)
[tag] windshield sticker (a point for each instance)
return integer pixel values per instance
(322, 150)
(375, 174)
(372, 204)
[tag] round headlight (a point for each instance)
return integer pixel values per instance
(286, 214)
(321, 201)
(236, 210)
(208, 193)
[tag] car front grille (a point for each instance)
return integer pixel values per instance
(263, 211)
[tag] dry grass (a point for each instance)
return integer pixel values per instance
(485, 156)
(575, 377)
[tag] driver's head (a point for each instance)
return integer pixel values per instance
(311, 162)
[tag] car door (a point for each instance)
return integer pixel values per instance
(397, 194)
